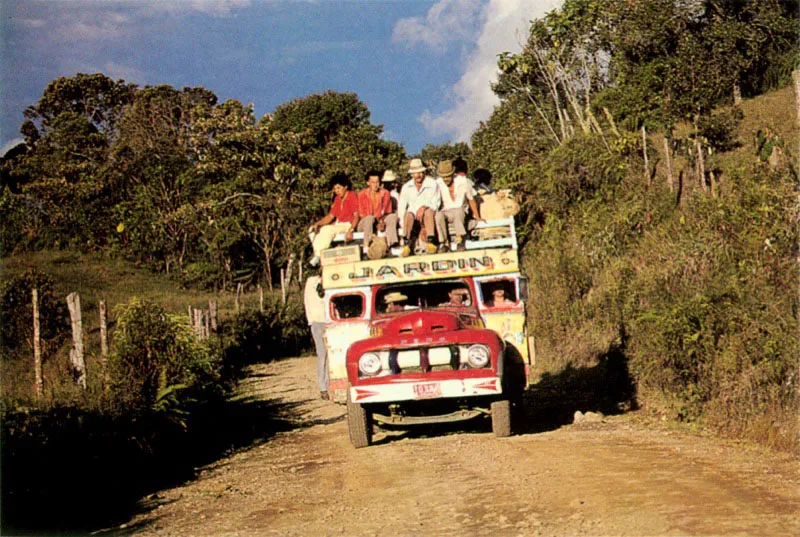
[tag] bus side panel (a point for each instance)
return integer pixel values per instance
(510, 326)
(338, 338)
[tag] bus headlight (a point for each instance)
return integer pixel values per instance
(369, 364)
(477, 356)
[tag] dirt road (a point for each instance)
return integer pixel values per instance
(619, 476)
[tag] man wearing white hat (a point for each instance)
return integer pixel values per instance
(419, 201)
(389, 181)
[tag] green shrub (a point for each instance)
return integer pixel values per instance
(158, 363)
(253, 336)
(16, 313)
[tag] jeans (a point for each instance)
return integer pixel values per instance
(317, 331)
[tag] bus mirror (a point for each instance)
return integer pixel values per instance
(523, 288)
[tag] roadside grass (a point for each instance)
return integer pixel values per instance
(94, 278)
(74, 460)
(699, 289)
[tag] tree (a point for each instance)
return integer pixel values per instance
(160, 142)
(432, 153)
(342, 137)
(68, 133)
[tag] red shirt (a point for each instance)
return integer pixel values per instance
(344, 209)
(378, 210)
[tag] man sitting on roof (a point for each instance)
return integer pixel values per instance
(375, 210)
(342, 218)
(456, 192)
(419, 200)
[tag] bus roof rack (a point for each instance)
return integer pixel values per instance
(500, 233)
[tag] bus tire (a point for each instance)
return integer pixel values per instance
(359, 423)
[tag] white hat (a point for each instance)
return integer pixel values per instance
(416, 166)
(394, 297)
(389, 177)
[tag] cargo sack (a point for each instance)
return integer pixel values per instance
(377, 248)
(497, 205)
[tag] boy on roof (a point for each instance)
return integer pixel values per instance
(342, 218)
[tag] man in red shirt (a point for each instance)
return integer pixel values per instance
(375, 210)
(342, 218)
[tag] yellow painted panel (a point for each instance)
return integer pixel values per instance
(510, 326)
(417, 268)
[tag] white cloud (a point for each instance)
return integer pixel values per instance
(504, 27)
(127, 73)
(89, 20)
(10, 145)
(32, 23)
(82, 25)
(446, 22)
(215, 8)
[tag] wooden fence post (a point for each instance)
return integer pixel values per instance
(212, 314)
(289, 270)
(796, 79)
(300, 270)
(198, 323)
(670, 177)
(76, 354)
(644, 152)
(103, 331)
(701, 167)
(38, 383)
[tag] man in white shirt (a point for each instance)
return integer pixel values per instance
(456, 193)
(419, 201)
(315, 315)
(389, 181)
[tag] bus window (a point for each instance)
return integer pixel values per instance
(347, 307)
(499, 293)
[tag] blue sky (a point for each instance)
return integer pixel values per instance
(423, 67)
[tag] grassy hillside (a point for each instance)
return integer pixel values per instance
(697, 291)
(116, 282)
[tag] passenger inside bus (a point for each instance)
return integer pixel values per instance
(395, 302)
(498, 293)
(448, 293)
(347, 306)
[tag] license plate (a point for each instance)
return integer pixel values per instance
(427, 390)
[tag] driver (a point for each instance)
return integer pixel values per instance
(458, 297)
(395, 302)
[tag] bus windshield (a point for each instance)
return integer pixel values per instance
(412, 296)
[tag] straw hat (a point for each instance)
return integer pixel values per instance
(389, 177)
(445, 169)
(394, 297)
(416, 166)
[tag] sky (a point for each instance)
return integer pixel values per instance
(423, 67)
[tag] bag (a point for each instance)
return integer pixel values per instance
(497, 205)
(377, 248)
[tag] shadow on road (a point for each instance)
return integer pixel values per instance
(93, 471)
(550, 403)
